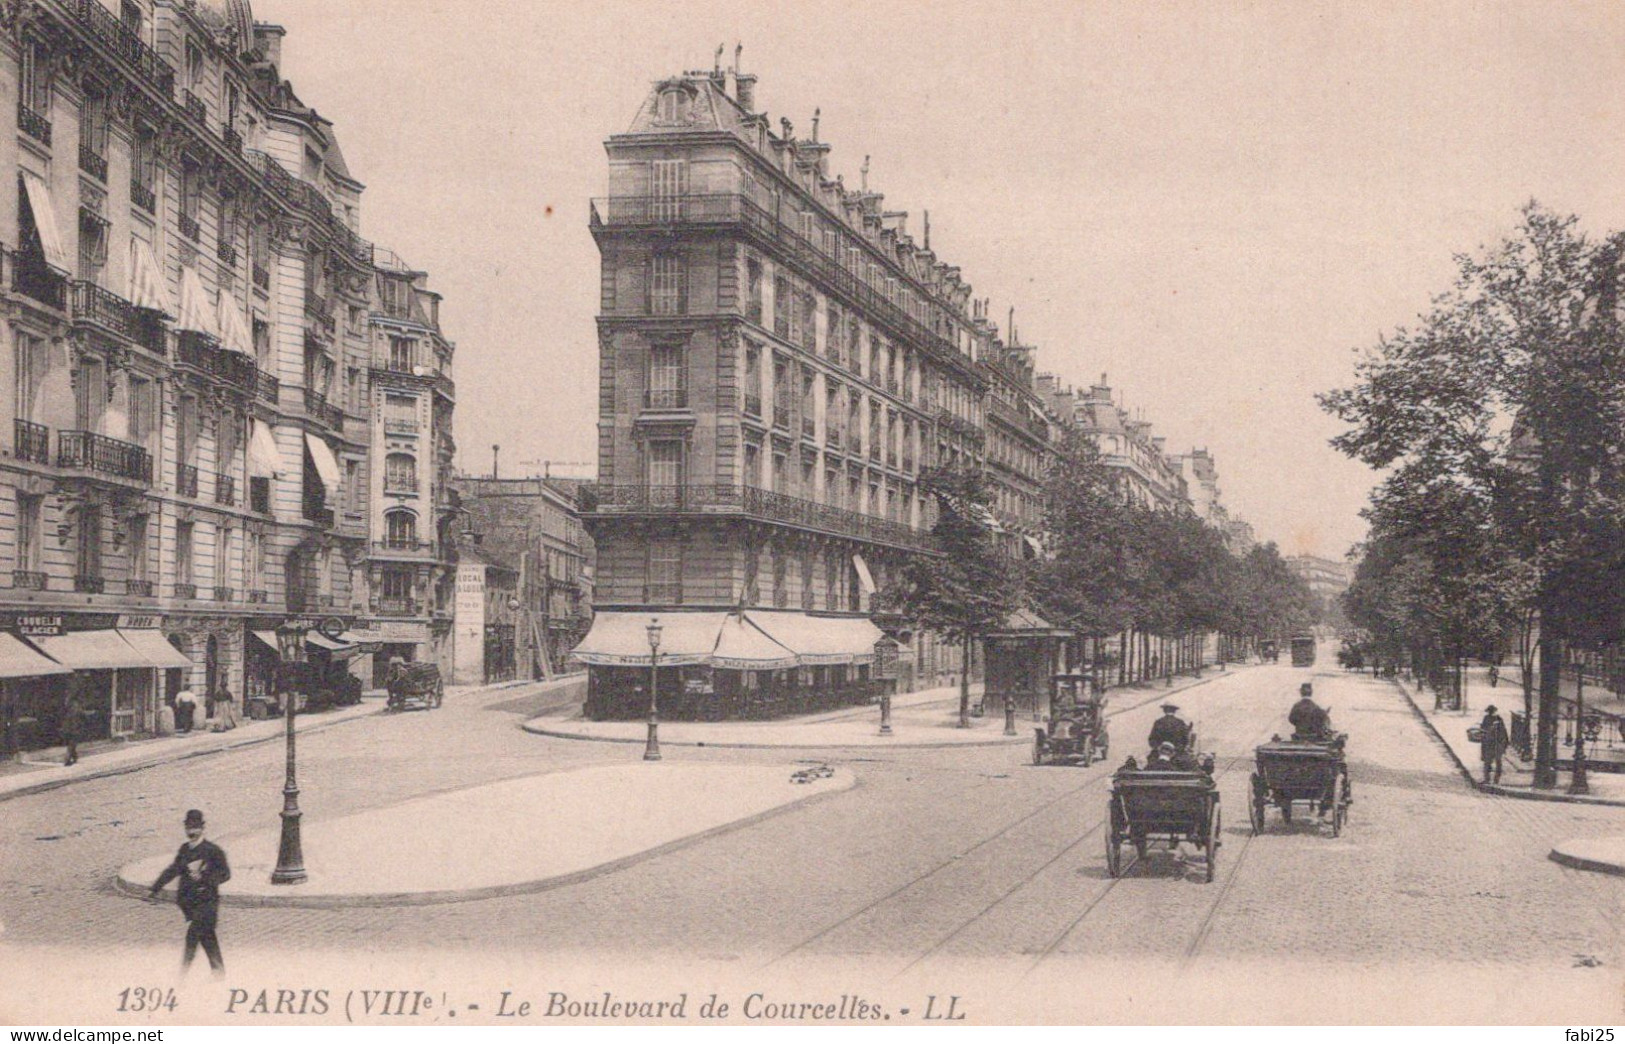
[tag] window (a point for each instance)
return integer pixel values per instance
(225, 543)
(669, 184)
(130, 16)
(781, 592)
(352, 486)
(400, 473)
(143, 410)
(781, 392)
(254, 561)
(90, 395)
(92, 244)
(191, 198)
(397, 584)
(665, 571)
(35, 90)
(230, 439)
(194, 66)
(666, 463)
(33, 363)
(140, 570)
(262, 344)
(93, 132)
(668, 283)
(226, 222)
(753, 380)
(186, 429)
(781, 476)
(808, 324)
(402, 354)
(673, 107)
(30, 515)
(753, 464)
(183, 552)
(401, 529)
(144, 163)
(666, 381)
(88, 554)
(781, 307)
(874, 360)
(753, 290)
(400, 413)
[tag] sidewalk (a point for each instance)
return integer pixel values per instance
(924, 719)
(516, 836)
(1517, 776)
(43, 770)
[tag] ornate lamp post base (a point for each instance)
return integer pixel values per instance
(290, 856)
(651, 750)
(885, 714)
(1009, 715)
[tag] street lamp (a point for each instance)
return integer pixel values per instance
(651, 751)
(290, 856)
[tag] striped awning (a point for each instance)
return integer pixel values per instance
(195, 313)
(17, 660)
(327, 465)
(39, 202)
(148, 287)
(263, 458)
(234, 333)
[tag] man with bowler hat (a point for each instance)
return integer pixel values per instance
(1493, 746)
(1170, 728)
(201, 867)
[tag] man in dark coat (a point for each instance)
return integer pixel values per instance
(1493, 746)
(72, 725)
(1308, 719)
(1170, 728)
(201, 867)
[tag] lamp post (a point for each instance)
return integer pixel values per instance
(1585, 728)
(290, 856)
(651, 751)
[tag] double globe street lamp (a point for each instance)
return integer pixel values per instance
(290, 856)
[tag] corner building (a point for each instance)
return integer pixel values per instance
(779, 361)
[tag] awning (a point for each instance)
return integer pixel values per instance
(865, 580)
(269, 640)
(820, 640)
(263, 457)
(155, 648)
(91, 651)
(1037, 546)
(619, 639)
(39, 201)
(195, 313)
(17, 660)
(741, 646)
(322, 641)
(327, 466)
(148, 287)
(234, 333)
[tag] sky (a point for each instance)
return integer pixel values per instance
(1217, 205)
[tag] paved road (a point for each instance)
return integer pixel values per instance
(937, 858)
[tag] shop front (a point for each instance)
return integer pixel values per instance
(33, 691)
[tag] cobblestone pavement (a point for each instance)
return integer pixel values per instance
(936, 858)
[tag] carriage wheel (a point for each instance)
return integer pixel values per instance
(1114, 854)
(1213, 844)
(1257, 806)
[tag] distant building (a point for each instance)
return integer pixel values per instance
(1145, 473)
(485, 615)
(1327, 578)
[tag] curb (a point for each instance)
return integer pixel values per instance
(134, 890)
(1021, 738)
(1574, 862)
(1499, 790)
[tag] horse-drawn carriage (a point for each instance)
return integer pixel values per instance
(1155, 805)
(1076, 730)
(414, 686)
(1309, 772)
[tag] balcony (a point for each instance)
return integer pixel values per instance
(92, 162)
(833, 439)
(225, 594)
(103, 308)
(143, 196)
(753, 405)
(391, 605)
(89, 583)
(322, 411)
(125, 44)
(257, 596)
(194, 107)
(185, 590)
(186, 480)
(88, 451)
(809, 425)
(665, 399)
(319, 311)
(138, 588)
(226, 253)
(400, 426)
(267, 388)
(32, 278)
(233, 140)
(204, 354)
(401, 485)
(31, 442)
(662, 594)
(225, 490)
(29, 580)
(33, 124)
(725, 500)
(423, 550)
(262, 276)
(189, 227)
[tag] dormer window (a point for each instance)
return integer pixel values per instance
(673, 106)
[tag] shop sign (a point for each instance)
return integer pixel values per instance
(39, 624)
(398, 632)
(885, 667)
(139, 621)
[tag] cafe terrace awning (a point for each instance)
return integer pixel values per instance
(820, 640)
(92, 651)
(622, 639)
(39, 201)
(339, 650)
(17, 660)
(156, 649)
(741, 646)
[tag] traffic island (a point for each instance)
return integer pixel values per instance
(508, 838)
(1603, 855)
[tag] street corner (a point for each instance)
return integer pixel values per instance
(1602, 855)
(508, 838)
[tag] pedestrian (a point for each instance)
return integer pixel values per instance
(73, 722)
(225, 711)
(1492, 744)
(1495, 674)
(201, 868)
(185, 710)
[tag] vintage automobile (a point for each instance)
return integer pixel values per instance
(414, 686)
(1075, 733)
(1269, 649)
(1311, 772)
(1303, 650)
(1171, 807)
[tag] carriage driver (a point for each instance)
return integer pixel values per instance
(1170, 728)
(1308, 719)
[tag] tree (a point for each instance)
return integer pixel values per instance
(968, 589)
(1510, 397)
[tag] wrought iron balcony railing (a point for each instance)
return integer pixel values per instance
(143, 195)
(319, 409)
(33, 124)
(89, 583)
(32, 442)
(186, 480)
(185, 590)
(267, 387)
(93, 304)
(225, 594)
(262, 276)
(389, 605)
(88, 451)
(29, 580)
(759, 503)
(125, 43)
(665, 399)
(233, 140)
(194, 107)
(32, 278)
(225, 490)
(138, 588)
(404, 548)
(92, 162)
(226, 253)
(400, 426)
(189, 227)
(258, 596)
